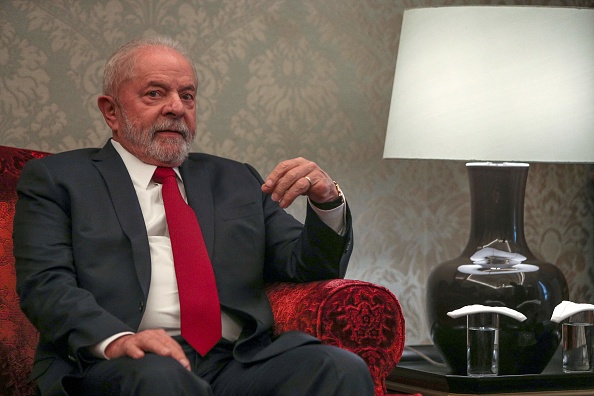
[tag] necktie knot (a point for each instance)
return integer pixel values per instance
(161, 173)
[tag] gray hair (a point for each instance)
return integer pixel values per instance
(120, 65)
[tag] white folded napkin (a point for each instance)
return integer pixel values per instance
(477, 308)
(567, 308)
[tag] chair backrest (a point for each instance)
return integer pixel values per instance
(18, 338)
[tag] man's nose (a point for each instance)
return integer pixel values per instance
(174, 106)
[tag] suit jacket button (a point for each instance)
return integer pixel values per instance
(141, 306)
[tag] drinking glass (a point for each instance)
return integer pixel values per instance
(482, 341)
(577, 341)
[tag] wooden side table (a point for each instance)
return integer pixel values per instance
(415, 375)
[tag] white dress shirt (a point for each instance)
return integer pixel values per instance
(162, 307)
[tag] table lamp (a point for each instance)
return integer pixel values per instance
(502, 85)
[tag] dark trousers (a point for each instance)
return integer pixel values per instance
(306, 370)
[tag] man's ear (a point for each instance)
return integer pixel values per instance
(108, 108)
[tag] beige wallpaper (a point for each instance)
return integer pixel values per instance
(285, 78)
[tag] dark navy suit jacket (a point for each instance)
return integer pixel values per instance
(83, 262)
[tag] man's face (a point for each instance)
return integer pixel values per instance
(156, 108)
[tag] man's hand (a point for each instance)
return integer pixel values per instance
(298, 176)
(155, 341)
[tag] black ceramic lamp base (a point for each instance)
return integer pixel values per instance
(533, 288)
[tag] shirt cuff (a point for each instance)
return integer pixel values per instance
(333, 218)
(98, 350)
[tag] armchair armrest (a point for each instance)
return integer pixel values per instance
(355, 315)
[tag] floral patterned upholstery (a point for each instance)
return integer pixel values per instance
(358, 316)
(355, 315)
(18, 337)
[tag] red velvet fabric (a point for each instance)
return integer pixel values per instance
(18, 337)
(358, 316)
(354, 315)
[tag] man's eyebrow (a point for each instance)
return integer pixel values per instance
(159, 84)
(190, 87)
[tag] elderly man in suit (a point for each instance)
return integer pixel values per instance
(95, 269)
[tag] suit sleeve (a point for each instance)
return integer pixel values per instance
(303, 253)
(66, 315)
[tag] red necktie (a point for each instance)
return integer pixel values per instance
(200, 311)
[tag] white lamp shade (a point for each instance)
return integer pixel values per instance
(494, 83)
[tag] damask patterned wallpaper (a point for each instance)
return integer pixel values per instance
(286, 78)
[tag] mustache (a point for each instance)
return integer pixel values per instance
(178, 126)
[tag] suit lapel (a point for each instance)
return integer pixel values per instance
(118, 182)
(198, 188)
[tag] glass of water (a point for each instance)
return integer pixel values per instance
(577, 333)
(482, 342)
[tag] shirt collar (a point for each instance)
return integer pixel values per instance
(140, 172)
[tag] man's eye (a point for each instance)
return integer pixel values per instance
(153, 94)
(187, 97)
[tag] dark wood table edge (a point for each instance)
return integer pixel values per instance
(415, 373)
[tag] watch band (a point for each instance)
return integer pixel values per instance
(332, 204)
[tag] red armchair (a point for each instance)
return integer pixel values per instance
(355, 315)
